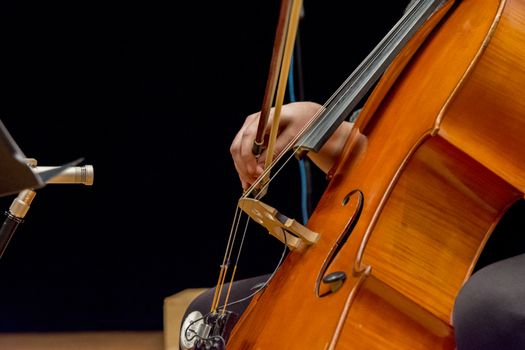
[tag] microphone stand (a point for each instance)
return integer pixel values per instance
(15, 216)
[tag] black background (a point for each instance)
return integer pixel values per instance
(151, 95)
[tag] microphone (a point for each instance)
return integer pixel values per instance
(20, 206)
(73, 175)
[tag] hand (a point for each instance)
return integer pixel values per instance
(293, 117)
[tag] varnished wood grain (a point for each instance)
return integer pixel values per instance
(433, 188)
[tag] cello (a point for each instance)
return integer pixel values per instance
(433, 162)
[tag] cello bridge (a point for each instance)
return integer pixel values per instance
(285, 229)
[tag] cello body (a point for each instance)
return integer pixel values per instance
(436, 158)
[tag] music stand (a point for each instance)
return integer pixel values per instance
(15, 174)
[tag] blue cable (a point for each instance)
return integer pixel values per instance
(302, 167)
(291, 85)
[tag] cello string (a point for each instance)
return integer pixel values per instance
(283, 255)
(272, 164)
(275, 66)
(326, 108)
(284, 72)
(290, 31)
(356, 76)
(235, 265)
(227, 255)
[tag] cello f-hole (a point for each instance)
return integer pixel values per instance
(354, 200)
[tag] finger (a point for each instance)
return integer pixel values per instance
(241, 150)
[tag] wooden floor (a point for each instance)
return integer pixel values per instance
(150, 340)
(166, 339)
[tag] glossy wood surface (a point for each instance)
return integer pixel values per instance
(377, 307)
(432, 195)
(487, 119)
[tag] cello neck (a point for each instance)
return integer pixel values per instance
(363, 78)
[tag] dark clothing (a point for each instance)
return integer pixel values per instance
(489, 312)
